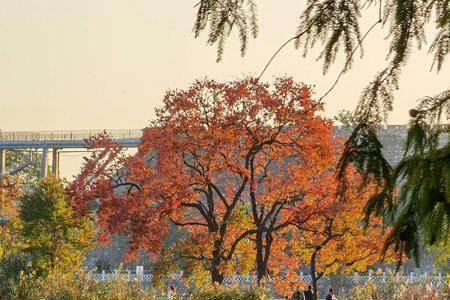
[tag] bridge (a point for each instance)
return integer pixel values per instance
(38, 145)
(35, 146)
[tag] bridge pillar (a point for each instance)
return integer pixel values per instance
(44, 163)
(55, 162)
(2, 162)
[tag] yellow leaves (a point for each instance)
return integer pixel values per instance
(244, 259)
(335, 232)
(197, 274)
(9, 221)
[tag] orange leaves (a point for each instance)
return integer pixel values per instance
(232, 165)
(335, 234)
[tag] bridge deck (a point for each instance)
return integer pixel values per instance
(125, 137)
(64, 139)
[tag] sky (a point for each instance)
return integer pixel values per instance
(106, 64)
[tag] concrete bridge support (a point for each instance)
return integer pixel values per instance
(44, 162)
(55, 162)
(2, 162)
(54, 142)
(32, 159)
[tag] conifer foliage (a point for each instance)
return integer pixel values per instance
(224, 15)
(336, 26)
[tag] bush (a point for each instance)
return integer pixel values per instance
(17, 278)
(396, 288)
(19, 282)
(218, 292)
(82, 287)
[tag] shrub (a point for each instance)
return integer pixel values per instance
(17, 278)
(19, 282)
(396, 288)
(81, 287)
(219, 292)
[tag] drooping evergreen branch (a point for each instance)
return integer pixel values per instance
(224, 15)
(440, 47)
(335, 24)
(349, 59)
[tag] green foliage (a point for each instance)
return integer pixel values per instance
(15, 277)
(346, 118)
(334, 23)
(441, 254)
(441, 47)
(363, 150)
(223, 16)
(10, 241)
(419, 211)
(82, 287)
(55, 237)
(217, 292)
(79, 286)
(422, 205)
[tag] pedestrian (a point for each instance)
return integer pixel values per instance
(298, 295)
(331, 295)
(171, 293)
(309, 295)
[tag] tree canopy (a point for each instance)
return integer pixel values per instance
(54, 236)
(234, 166)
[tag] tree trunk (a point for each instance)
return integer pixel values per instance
(263, 254)
(216, 276)
(313, 275)
(261, 266)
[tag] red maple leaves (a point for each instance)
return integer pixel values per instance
(235, 165)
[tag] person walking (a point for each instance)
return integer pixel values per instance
(331, 295)
(298, 295)
(172, 293)
(309, 295)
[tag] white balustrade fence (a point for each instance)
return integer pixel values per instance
(350, 280)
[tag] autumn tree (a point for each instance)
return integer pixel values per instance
(335, 238)
(9, 221)
(419, 213)
(283, 174)
(54, 236)
(225, 161)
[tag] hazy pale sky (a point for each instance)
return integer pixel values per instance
(104, 64)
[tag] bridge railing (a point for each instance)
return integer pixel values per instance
(77, 135)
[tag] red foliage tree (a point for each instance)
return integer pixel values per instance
(230, 162)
